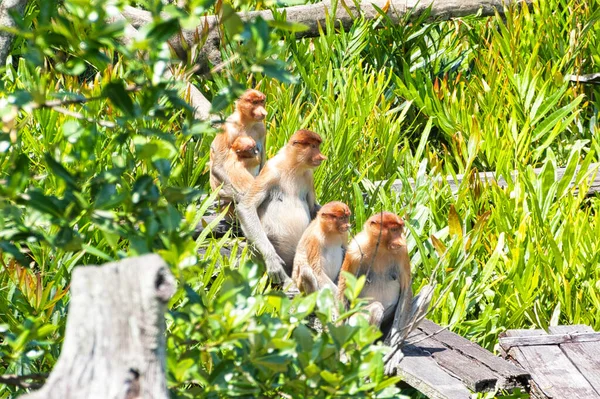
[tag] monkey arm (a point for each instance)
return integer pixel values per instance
(324, 281)
(350, 265)
(312, 202)
(218, 150)
(263, 155)
(248, 216)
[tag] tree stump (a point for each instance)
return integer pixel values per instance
(114, 344)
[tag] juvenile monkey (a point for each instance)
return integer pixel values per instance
(321, 249)
(379, 252)
(247, 120)
(242, 166)
(281, 203)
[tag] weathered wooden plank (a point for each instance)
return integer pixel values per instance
(420, 371)
(553, 374)
(490, 177)
(553, 339)
(509, 375)
(585, 356)
(472, 374)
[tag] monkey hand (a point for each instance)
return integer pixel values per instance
(276, 271)
(392, 360)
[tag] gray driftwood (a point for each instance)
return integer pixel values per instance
(490, 177)
(553, 339)
(192, 94)
(6, 38)
(585, 356)
(555, 370)
(114, 346)
(314, 17)
(590, 78)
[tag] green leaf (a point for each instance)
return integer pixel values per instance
(454, 222)
(162, 31)
(342, 334)
(116, 93)
(74, 67)
(61, 172)
(553, 119)
(331, 378)
(231, 21)
(276, 71)
(287, 26)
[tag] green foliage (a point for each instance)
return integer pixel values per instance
(236, 339)
(100, 158)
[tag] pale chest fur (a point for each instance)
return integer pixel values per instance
(286, 214)
(383, 283)
(331, 259)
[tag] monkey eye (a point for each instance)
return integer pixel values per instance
(313, 145)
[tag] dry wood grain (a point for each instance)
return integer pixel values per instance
(553, 339)
(509, 376)
(420, 371)
(553, 374)
(584, 355)
(114, 343)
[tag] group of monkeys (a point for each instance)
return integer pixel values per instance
(299, 240)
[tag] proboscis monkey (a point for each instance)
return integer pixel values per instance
(281, 203)
(321, 249)
(379, 252)
(242, 166)
(247, 120)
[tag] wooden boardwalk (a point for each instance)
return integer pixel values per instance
(444, 365)
(564, 363)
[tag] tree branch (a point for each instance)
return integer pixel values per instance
(6, 21)
(314, 16)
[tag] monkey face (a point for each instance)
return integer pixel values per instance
(389, 228)
(252, 105)
(247, 152)
(245, 147)
(306, 144)
(335, 216)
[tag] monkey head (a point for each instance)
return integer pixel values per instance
(305, 144)
(244, 147)
(389, 228)
(333, 218)
(251, 106)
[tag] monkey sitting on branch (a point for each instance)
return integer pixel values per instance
(379, 253)
(321, 249)
(281, 203)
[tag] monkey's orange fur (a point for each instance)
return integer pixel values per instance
(281, 203)
(247, 120)
(321, 249)
(380, 252)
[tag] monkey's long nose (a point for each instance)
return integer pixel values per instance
(261, 113)
(321, 157)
